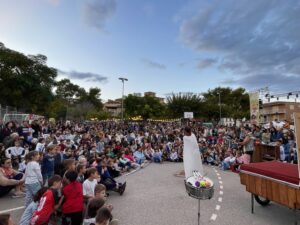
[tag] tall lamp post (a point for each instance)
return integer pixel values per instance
(123, 80)
(220, 106)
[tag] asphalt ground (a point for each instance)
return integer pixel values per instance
(155, 196)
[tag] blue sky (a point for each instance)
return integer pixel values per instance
(160, 45)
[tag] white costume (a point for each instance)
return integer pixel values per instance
(191, 156)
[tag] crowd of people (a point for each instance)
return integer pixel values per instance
(64, 169)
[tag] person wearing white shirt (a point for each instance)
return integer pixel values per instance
(174, 156)
(40, 146)
(33, 176)
(90, 183)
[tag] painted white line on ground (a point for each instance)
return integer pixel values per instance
(220, 199)
(221, 192)
(218, 207)
(220, 182)
(13, 209)
(133, 171)
(213, 217)
(221, 187)
(219, 178)
(218, 174)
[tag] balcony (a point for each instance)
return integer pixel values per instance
(274, 112)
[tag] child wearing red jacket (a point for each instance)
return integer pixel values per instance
(48, 203)
(73, 200)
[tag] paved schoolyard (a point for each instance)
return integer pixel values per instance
(155, 196)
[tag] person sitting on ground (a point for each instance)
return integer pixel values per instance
(100, 192)
(124, 163)
(157, 156)
(93, 206)
(10, 178)
(129, 155)
(139, 157)
(16, 154)
(149, 152)
(73, 200)
(174, 155)
(228, 161)
(104, 217)
(108, 181)
(32, 207)
(90, 183)
(48, 203)
(40, 146)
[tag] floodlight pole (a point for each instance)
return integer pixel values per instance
(122, 79)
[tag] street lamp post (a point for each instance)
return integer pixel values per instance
(123, 80)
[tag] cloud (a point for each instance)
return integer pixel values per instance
(251, 38)
(92, 77)
(278, 82)
(152, 64)
(96, 13)
(202, 64)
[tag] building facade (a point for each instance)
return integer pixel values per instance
(279, 110)
(114, 107)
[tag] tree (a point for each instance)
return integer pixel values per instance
(147, 107)
(234, 103)
(68, 91)
(177, 104)
(56, 109)
(93, 96)
(26, 81)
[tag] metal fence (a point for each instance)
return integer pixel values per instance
(7, 110)
(8, 113)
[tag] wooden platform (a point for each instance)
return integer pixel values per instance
(279, 192)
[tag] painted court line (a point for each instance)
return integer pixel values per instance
(213, 217)
(221, 187)
(220, 182)
(13, 209)
(221, 192)
(220, 199)
(218, 207)
(219, 178)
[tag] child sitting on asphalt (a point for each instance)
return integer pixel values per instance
(104, 216)
(93, 206)
(90, 183)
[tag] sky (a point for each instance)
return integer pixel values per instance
(163, 46)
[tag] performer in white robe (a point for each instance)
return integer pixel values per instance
(191, 154)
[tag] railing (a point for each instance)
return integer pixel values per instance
(267, 112)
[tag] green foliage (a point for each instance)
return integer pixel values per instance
(100, 115)
(26, 82)
(234, 103)
(56, 109)
(147, 107)
(179, 103)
